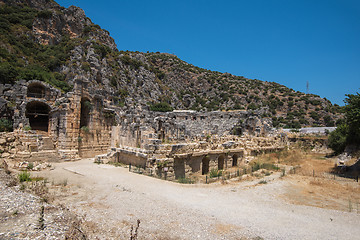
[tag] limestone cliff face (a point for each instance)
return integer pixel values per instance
(130, 79)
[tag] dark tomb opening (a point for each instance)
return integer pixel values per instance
(205, 165)
(221, 162)
(235, 160)
(85, 112)
(38, 115)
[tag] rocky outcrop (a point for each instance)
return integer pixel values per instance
(134, 79)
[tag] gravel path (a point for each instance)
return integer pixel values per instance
(111, 200)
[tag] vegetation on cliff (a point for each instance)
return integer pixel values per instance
(21, 57)
(41, 43)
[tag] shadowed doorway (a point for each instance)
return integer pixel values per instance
(38, 115)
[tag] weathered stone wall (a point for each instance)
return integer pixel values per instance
(94, 137)
(84, 123)
(140, 129)
(183, 159)
(40, 107)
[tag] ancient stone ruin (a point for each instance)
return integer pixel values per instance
(52, 126)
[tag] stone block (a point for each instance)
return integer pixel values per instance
(3, 141)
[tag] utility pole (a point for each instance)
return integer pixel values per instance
(307, 87)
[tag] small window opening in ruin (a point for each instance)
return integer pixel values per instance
(202, 117)
(235, 160)
(194, 118)
(205, 165)
(237, 130)
(86, 107)
(36, 90)
(221, 162)
(38, 115)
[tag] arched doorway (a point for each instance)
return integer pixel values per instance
(36, 90)
(205, 165)
(221, 162)
(235, 160)
(38, 115)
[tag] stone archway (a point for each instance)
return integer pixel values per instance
(38, 115)
(36, 90)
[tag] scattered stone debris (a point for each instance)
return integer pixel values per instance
(24, 215)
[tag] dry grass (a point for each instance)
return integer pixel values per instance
(312, 184)
(324, 193)
(306, 163)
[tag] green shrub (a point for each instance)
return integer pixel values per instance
(102, 50)
(315, 116)
(328, 121)
(27, 128)
(123, 93)
(85, 66)
(44, 14)
(133, 63)
(24, 176)
(161, 107)
(85, 129)
(255, 166)
(293, 124)
(30, 166)
(215, 173)
(5, 125)
(268, 166)
(338, 139)
(8, 73)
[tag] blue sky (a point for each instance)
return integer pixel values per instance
(290, 42)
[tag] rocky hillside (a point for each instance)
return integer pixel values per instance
(42, 40)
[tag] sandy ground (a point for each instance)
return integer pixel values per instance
(111, 199)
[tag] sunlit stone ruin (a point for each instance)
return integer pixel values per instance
(51, 126)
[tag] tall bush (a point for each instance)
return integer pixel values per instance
(348, 132)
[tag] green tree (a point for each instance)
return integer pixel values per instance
(348, 131)
(338, 139)
(352, 117)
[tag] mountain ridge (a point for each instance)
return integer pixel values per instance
(58, 45)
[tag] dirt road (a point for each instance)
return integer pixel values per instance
(111, 200)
